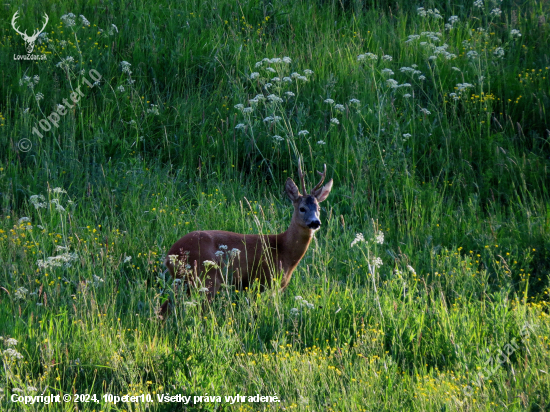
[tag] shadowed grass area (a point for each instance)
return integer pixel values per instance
(432, 121)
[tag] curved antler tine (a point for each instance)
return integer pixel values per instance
(46, 22)
(13, 22)
(302, 183)
(322, 179)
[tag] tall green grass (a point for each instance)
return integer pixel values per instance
(449, 160)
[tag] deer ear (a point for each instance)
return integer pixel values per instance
(323, 192)
(292, 190)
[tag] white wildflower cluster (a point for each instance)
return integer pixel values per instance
(21, 293)
(463, 86)
(425, 111)
(496, 12)
(499, 52)
(21, 222)
(411, 269)
(240, 126)
(30, 82)
(389, 72)
(272, 119)
(84, 20)
(12, 354)
(406, 136)
(334, 120)
(68, 19)
(321, 142)
(125, 66)
(442, 50)
(66, 63)
(392, 83)
(274, 60)
(11, 342)
(354, 101)
(432, 35)
(329, 101)
(38, 201)
(515, 33)
(209, 264)
(254, 75)
(304, 302)
(43, 38)
(63, 260)
(472, 54)
(222, 249)
(303, 133)
(407, 95)
(120, 89)
(358, 238)
(57, 205)
(278, 138)
(379, 238)
(154, 109)
(39, 96)
(367, 57)
(95, 282)
(290, 94)
(387, 58)
(339, 107)
(377, 262)
(412, 37)
(452, 21)
(478, 4)
(422, 77)
(429, 13)
(410, 70)
(274, 98)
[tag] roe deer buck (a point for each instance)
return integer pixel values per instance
(260, 255)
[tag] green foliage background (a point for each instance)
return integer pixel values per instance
(455, 175)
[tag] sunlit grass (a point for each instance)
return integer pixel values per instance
(433, 124)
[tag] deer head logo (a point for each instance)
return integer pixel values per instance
(28, 39)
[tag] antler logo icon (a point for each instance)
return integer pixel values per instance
(28, 39)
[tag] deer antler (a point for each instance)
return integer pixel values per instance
(302, 183)
(322, 179)
(37, 32)
(15, 16)
(25, 36)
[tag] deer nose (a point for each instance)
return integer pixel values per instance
(315, 224)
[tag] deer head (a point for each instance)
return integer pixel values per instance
(306, 206)
(28, 39)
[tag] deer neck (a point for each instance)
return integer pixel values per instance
(296, 240)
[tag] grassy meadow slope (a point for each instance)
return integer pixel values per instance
(426, 287)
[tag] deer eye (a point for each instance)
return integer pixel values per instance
(302, 209)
